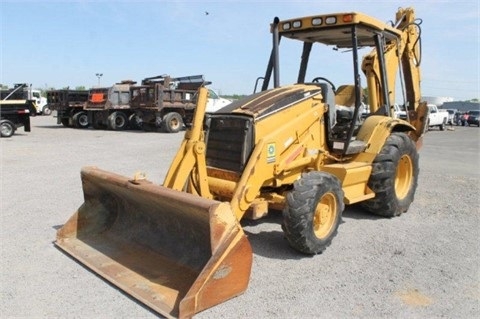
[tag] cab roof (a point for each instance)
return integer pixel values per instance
(336, 29)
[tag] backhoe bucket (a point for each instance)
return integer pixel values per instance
(176, 252)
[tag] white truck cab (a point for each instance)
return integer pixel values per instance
(215, 102)
(40, 101)
(399, 111)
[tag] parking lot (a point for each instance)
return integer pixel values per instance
(423, 264)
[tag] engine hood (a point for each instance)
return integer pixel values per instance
(271, 101)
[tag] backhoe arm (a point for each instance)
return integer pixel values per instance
(404, 51)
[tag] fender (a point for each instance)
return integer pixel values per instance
(375, 131)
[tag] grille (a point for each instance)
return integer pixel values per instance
(229, 142)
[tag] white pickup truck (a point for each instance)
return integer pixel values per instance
(437, 117)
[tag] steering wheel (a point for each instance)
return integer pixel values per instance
(317, 80)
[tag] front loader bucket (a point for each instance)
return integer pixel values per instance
(176, 252)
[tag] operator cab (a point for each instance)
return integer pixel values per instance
(346, 33)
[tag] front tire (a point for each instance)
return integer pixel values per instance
(313, 212)
(394, 177)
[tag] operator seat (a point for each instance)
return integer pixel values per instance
(345, 95)
(344, 111)
(345, 104)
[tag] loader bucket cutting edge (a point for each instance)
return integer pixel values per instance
(175, 252)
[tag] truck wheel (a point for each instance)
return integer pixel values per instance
(46, 110)
(7, 128)
(313, 212)
(442, 127)
(394, 177)
(117, 121)
(80, 120)
(172, 122)
(135, 121)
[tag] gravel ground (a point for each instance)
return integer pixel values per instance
(423, 264)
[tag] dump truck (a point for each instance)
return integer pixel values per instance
(300, 148)
(15, 110)
(27, 93)
(167, 103)
(15, 114)
(109, 107)
(69, 107)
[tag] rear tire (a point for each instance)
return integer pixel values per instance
(117, 121)
(80, 120)
(313, 212)
(135, 122)
(7, 128)
(394, 177)
(172, 122)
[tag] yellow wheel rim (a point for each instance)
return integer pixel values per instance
(403, 177)
(325, 215)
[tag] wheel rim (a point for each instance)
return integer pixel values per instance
(83, 120)
(6, 130)
(325, 214)
(403, 177)
(119, 121)
(174, 123)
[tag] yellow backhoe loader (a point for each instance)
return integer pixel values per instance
(303, 148)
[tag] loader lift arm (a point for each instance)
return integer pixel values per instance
(189, 164)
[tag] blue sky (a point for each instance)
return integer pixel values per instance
(65, 43)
